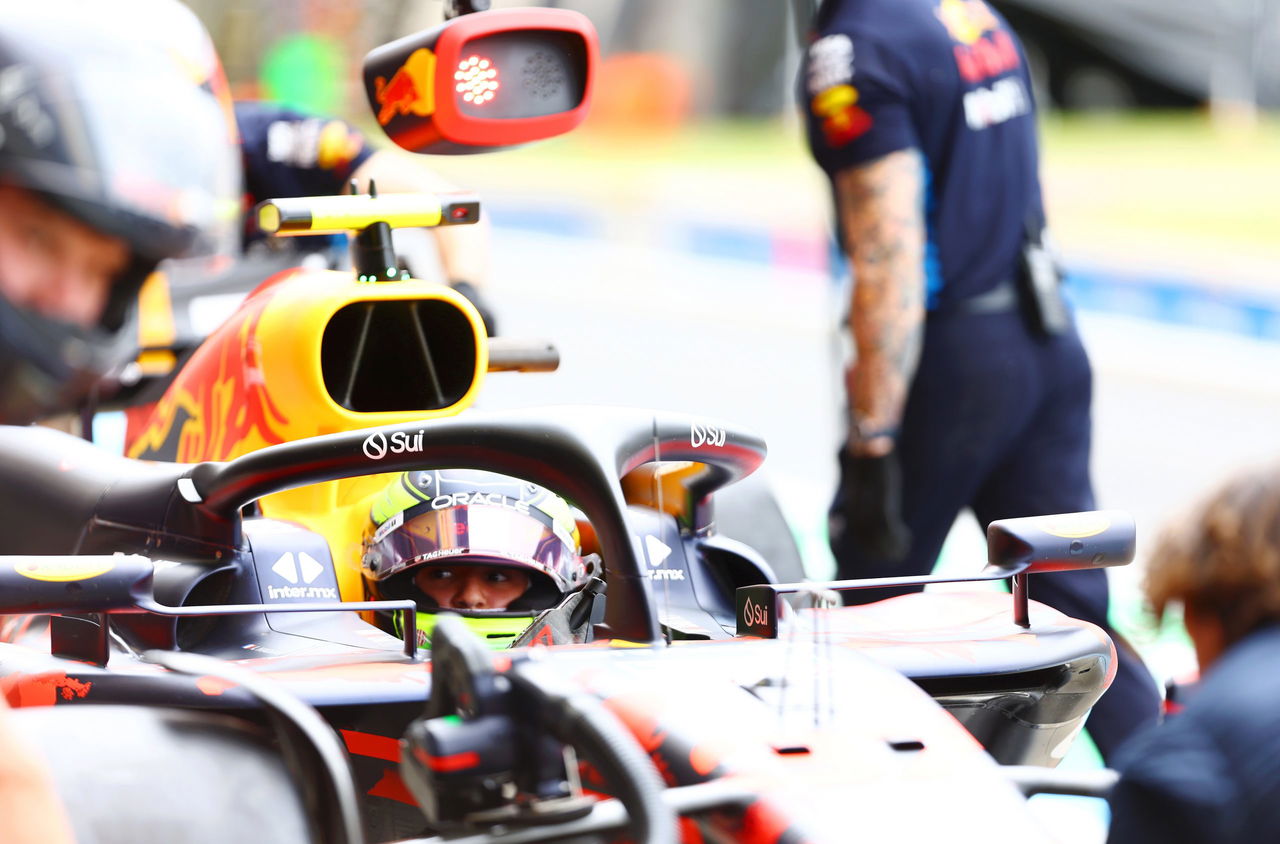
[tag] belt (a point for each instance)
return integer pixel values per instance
(999, 299)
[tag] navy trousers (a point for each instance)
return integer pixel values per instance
(998, 421)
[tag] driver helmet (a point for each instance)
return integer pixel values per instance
(490, 548)
(118, 134)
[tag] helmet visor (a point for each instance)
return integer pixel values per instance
(498, 533)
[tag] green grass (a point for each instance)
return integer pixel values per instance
(1177, 174)
(1155, 180)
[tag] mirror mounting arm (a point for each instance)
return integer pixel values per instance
(1021, 607)
(372, 255)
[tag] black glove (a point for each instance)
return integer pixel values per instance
(870, 504)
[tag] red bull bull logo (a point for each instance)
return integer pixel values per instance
(842, 119)
(410, 89)
(985, 49)
(967, 20)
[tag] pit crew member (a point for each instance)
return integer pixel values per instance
(970, 387)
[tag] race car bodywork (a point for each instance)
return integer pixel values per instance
(143, 556)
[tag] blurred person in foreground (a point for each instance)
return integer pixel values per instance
(112, 158)
(970, 387)
(30, 812)
(1211, 773)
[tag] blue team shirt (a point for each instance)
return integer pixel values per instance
(287, 153)
(946, 77)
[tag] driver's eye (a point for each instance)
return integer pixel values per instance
(497, 577)
(439, 574)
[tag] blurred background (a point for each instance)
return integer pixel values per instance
(677, 248)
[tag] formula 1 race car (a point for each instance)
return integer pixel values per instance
(187, 633)
(715, 682)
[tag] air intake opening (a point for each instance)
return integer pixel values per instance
(399, 355)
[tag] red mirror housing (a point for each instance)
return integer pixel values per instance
(484, 81)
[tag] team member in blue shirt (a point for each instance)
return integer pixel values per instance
(969, 389)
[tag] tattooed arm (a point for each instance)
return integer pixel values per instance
(881, 211)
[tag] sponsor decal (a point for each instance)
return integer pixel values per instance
(317, 593)
(445, 552)
(63, 570)
(312, 143)
(337, 146)
(496, 499)
(17, 97)
(843, 120)
(984, 49)
(378, 445)
(1076, 525)
(700, 435)
(388, 526)
(830, 62)
(1004, 100)
(990, 56)
(966, 20)
(301, 570)
(657, 550)
(375, 446)
(754, 614)
(396, 566)
(307, 568)
(70, 688)
(294, 142)
(21, 689)
(409, 89)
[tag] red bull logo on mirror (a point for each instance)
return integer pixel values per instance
(409, 90)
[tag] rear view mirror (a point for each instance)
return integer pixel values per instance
(484, 80)
(1069, 541)
(73, 583)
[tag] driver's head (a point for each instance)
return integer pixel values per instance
(114, 154)
(494, 549)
